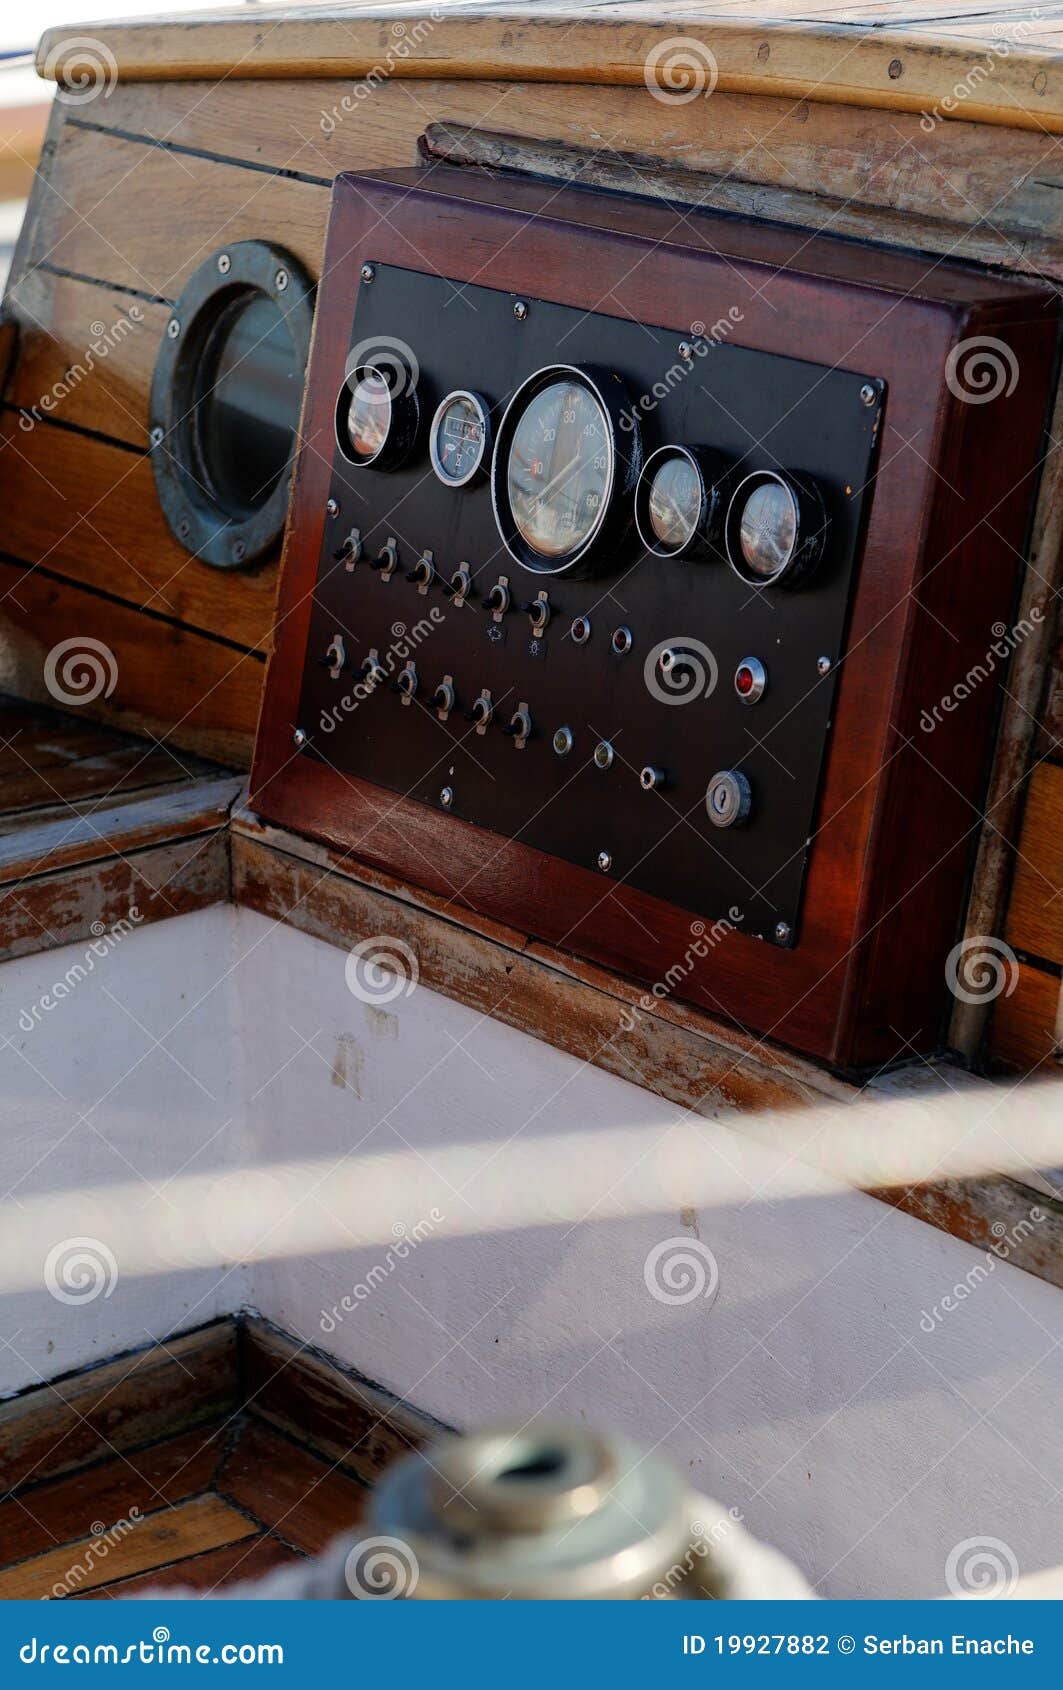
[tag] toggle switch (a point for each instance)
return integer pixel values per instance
(335, 658)
(520, 726)
(498, 599)
(482, 712)
(538, 611)
(386, 560)
(350, 552)
(423, 572)
(460, 585)
(406, 683)
(444, 698)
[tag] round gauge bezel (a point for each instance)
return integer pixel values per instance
(482, 457)
(810, 538)
(403, 422)
(614, 518)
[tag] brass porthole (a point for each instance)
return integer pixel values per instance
(225, 401)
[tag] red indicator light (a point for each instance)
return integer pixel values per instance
(744, 680)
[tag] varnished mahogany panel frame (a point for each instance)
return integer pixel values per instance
(899, 809)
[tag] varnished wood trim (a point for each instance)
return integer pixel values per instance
(672, 1049)
(91, 1414)
(888, 69)
(330, 1408)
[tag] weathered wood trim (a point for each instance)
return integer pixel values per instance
(330, 1408)
(88, 1415)
(892, 69)
(673, 1050)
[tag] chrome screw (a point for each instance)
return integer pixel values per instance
(332, 506)
(225, 263)
(446, 797)
(782, 931)
(157, 436)
(520, 310)
(686, 351)
(173, 328)
(563, 742)
(868, 394)
(823, 665)
(298, 739)
(368, 273)
(605, 861)
(239, 551)
(280, 280)
(184, 528)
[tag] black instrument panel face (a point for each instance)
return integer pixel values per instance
(668, 725)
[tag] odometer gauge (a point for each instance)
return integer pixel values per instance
(460, 437)
(776, 529)
(565, 464)
(680, 500)
(377, 414)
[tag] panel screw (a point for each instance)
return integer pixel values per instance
(239, 551)
(895, 68)
(157, 436)
(782, 931)
(332, 506)
(173, 328)
(446, 797)
(368, 273)
(280, 280)
(225, 263)
(605, 861)
(686, 351)
(520, 310)
(184, 528)
(298, 739)
(868, 394)
(822, 665)
(563, 742)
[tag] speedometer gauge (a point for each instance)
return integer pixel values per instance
(564, 468)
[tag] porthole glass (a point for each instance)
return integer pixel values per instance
(225, 402)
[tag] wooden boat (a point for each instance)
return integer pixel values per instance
(578, 925)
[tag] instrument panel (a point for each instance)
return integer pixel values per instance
(591, 561)
(612, 583)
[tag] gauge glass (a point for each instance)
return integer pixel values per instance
(369, 415)
(767, 531)
(558, 470)
(459, 439)
(675, 502)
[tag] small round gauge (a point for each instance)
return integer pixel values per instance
(776, 529)
(377, 414)
(562, 476)
(460, 437)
